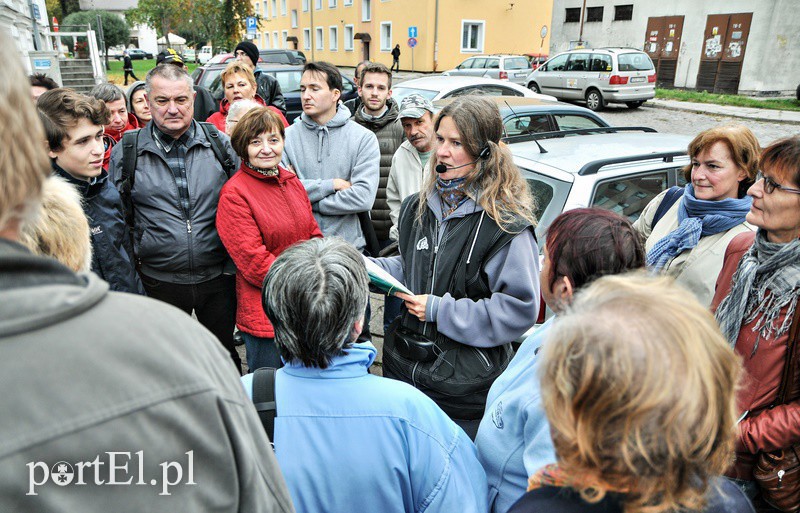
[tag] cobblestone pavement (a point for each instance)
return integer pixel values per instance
(691, 123)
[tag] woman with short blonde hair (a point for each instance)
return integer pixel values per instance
(639, 391)
(238, 84)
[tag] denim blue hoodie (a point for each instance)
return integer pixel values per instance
(339, 149)
(347, 440)
(514, 437)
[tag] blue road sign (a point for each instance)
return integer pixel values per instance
(252, 24)
(412, 42)
(412, 32)
(36, 12)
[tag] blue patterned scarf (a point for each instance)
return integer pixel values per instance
(697, 218)
(452, 194)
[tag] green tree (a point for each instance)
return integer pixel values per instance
(232, 20)
(115, 30)
(162, 15)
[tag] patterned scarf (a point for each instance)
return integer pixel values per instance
(264, 171)
(767, 280)
(697, 218)
(452, 194)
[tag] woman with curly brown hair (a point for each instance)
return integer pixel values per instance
(468, 254)
(639, 388)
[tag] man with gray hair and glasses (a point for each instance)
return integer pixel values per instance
(347, 440)
(169, 175)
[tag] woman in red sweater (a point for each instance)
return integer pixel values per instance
(263, 209)
(238, 83)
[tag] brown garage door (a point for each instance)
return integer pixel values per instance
(662, 44)
(723, 52)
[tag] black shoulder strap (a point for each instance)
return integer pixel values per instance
(264, 399)
(672, 195)
(219, 150)
(130, 152)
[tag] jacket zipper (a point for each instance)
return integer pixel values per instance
(483, 358)
(413, 372)
(433, 271)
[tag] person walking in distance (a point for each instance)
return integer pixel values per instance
(127, 67)
(396, 57)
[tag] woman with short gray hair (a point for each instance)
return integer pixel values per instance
(347, 440)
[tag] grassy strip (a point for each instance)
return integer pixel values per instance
(140, 69)
(727, 99)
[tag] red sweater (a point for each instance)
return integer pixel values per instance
(218, 118)
(133, 122)
(257, 218)
(763, 428)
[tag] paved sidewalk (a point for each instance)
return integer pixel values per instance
(767, 115)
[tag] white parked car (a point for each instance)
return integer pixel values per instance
(439, 87)
(514, 68)
(205, 54)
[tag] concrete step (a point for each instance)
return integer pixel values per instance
(77, 74)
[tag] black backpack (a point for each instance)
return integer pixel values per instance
(130, 153)
(670, 198)
(264, 399)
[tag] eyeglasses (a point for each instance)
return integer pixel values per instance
(770, 185)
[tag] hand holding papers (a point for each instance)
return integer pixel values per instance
(383, 280)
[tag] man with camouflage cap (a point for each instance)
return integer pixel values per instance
(204, 103)
(411, 158)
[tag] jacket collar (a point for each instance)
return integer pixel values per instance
(87, 188)
(435, 205)
(283, 174)
(390, 116)
(147, 139)
(353, 363)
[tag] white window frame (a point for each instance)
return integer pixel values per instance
(320, 42)
(258, 8)
(388, 47)
(294, 18)
(276, 42)
(333, 38)
(348, 3)
(266, 40)
(482, 36)
(284, 39)
(317, 5)
(366, 10)
(306, 5)
(349, 41)
(266, 9)
(274, 8)
(283, 7)
(332, 4)
(307, 39)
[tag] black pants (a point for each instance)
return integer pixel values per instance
(213, 302)
(395, 62)
(130, 72)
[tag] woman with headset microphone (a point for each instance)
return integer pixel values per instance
(469, 255)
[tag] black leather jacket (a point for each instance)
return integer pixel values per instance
(269, 89)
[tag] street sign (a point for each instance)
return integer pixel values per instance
(252, 24)
(36, 13)
(412, 32)
(412, 42)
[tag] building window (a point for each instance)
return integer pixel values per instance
(333, 37)
(366, 10)
(294, 18)
(472, 35)
(306, 39)
(265, 39)
(274, 8)
(276, 42)
(348, 3)
(318, 5)
(573, 15)
(623, 12)
(332, 4)
(283, 7)
(284, 39)
(320, 42)
(266, 9)
(305, 5)
(386, 36)
(348, 38)
(594, 14)
(258, 8)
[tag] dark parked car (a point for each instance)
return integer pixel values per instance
(282, 56)
(137, 54)
(288, 77)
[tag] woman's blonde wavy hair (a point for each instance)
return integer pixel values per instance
(639, 388)
(495, 183)
(24, 164)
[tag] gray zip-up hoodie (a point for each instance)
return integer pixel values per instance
(339, 149)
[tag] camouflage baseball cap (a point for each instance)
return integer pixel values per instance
(414, 106)
(169, 56)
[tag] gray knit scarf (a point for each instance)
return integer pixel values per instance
(767, 280)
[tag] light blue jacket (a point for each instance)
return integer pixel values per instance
(514, 437)
(349, 441)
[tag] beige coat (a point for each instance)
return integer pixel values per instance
(696, 269)
(405, 178)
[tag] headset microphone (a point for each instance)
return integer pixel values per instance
(484, 154)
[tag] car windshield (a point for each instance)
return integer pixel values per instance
(276, 58)
(517, 63)
(288, 80)
(211, 81)
(637, 61)
(398, 93)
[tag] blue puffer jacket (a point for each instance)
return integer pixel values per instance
(112, 254)
(347, 440)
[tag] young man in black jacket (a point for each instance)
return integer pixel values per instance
(267, 86)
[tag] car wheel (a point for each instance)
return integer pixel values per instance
(634, 105)
(533, 86)
(594, 100)
(798, 93)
